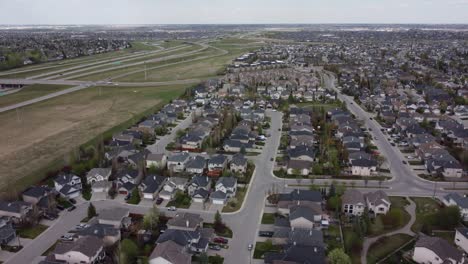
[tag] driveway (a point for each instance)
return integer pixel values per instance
(198, 206)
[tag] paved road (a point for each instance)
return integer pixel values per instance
(83, 85)
(244, 223)
(113, 67)
(405, 179)
(100, 63)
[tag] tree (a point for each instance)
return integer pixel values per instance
(203, 258)
(91, 211)
(217, 219)
(338, 256)
(151, 219)
(128, 251)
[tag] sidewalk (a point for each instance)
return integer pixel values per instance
(411, 209)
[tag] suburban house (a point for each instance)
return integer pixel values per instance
(309, 198)
(116, 216)
(151, 185)
(18, 211)
(186, 231)
(363, 167)
(199, 182)
(436, 250)
(185, 221)
(87, 250)
(454, 199)
(300, 167)
(7, 232)
(68, 185)
(109, 234)
(353, 202)
(196, 165)
(98, 175)
(461, 238)
(173, 184)
(177, 161)
(170, 252)
(238, 164)
(378, 202)
(304, 217)
(35, 194)
(224, 189)
(216, 165)
(297, 254)
(157, 160)
(128, 179)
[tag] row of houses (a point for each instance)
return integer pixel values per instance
(352, 137)
(297, 228)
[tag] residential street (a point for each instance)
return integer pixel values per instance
(245, 222)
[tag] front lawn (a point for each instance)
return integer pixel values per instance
(227, 231)
(395, 219)
(181, 200)
(263, 247)
(385, 246)
(332, 237)
(447, 235)
(64, 202)
(235, 203)
(424, 207)
(32, 232)
(268, 219)
(352, 244)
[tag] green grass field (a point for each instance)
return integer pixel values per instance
(385, 246)
(424, 207)
(30, 92)
(68, 63)
(50, 131)
(125, 61)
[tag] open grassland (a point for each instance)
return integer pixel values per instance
(200, 68)
(49, 131)
(163, 62)
(30, 92)
(121, 65)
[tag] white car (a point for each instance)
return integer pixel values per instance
(172, 208)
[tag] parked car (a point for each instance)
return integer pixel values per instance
(172, 208)
(128, 197)
(250, 247)
(221, 240)
(73, 201)
(81, 226)
(404, 162)
(265, 233)
(215, 247)
(59, 207)
(67, 237)
(50, 217)
(71, 208)
(159, 201)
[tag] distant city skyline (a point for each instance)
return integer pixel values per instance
(21, 12)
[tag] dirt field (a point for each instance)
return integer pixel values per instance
(50, 130)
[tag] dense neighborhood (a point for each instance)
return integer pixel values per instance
(301, 152)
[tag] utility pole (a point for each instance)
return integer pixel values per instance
(146, 75)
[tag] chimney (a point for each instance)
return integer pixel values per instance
(187, 223)
(294, 243)
(315, 249)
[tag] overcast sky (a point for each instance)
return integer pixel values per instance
(231, 11)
